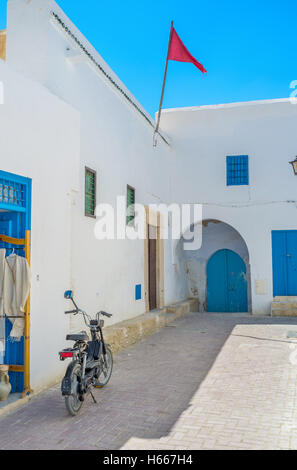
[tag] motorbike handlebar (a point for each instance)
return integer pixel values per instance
(78, 310)
(106, 314)
(85, 315)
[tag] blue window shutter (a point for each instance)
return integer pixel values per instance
(90, 192)
(130, 205)
(237, 170)
(138, 292)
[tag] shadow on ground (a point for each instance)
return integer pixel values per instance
(151, 386)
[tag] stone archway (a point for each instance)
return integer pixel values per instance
(216, 235)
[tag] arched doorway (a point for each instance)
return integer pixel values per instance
(216, 235)
(226, 283)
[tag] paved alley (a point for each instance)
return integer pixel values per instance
(206, 381)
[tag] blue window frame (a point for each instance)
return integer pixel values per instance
(15, 196)
(237, 170)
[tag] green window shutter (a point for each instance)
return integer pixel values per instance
(90, 192)
(130, 202)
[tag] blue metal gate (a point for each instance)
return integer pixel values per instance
(226, 283)
(15, 219)
(284, 261)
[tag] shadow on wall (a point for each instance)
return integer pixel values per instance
(216, 235)
(180, 268)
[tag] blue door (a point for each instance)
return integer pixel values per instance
(284, 262)
(226, 283)
(15, 218)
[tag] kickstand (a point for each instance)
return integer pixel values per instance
(92, 395)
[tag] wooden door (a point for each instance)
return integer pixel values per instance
(152, 256)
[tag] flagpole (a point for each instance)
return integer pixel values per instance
(163, 86)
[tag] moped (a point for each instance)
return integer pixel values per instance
(92, 361)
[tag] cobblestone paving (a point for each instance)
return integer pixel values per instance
(208, 381)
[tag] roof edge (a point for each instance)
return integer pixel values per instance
(68, 27)
(235, 104)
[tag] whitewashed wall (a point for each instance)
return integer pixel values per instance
(116, 141)
(266, 132)
(39, 136)
(44, 138)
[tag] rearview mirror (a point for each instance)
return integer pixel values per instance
(68, 294)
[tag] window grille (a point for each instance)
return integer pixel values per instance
(237, 170)
(130, 205)
(90, 192)
(12, 193)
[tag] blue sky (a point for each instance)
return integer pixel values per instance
(248, 47)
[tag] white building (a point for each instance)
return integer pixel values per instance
(67, 120)
(257, 139)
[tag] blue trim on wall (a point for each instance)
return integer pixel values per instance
(138, 292)
(28, 205)
(14, 177)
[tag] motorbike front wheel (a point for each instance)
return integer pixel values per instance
(72, 402)
(106, 370)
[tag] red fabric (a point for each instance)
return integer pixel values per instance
(179, 52)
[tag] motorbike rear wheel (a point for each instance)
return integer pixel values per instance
(72, 402)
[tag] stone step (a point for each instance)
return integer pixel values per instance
(124, 334)
(284, 306)
(284, 313)
(285, 298)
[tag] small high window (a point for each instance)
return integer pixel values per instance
(237, 170)
(90, 192)
(130, 205)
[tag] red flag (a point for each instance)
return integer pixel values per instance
(176, 51)
(179, 52)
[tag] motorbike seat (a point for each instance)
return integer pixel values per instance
(82, 336)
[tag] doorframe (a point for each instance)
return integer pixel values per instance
(154, 219)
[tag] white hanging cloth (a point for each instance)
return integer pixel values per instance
(16, 288)
(2, 264)
(2, 321)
